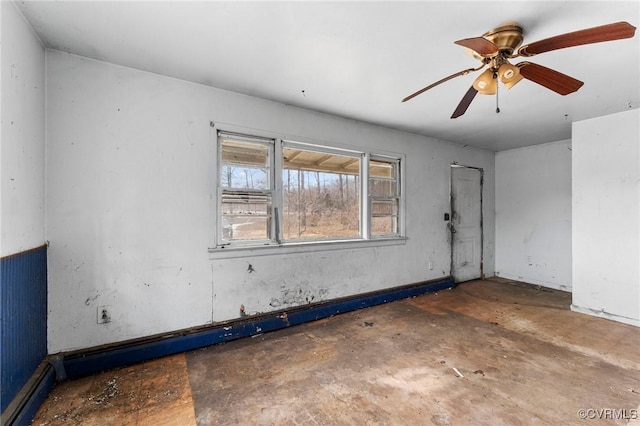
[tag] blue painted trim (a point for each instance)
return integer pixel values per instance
(108, 357)
(35, 400)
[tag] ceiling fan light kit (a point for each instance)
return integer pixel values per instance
(509, 75)
(486, 83)
(496, 47)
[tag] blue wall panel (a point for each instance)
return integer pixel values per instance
(23, 319)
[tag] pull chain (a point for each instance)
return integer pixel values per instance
(497, 88)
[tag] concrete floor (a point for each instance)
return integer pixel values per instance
(485, 353)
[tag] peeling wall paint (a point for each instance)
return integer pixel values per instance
(128, 196)
(296, 294)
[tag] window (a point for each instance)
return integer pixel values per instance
(321, 194)
(245, 188)
(384, 193)
(276, 192)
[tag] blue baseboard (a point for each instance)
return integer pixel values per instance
(74, 365)
(25, 405)
(32, 405)
(104, 358)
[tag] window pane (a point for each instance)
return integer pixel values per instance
(384, 220)
(385, 197)
(382, 169)
(383, 178)
(384, 207)
(244, 165)
(383, 188)
(246, 216)
(384, 225)
(321, 195)
(244, 228)
(245, 205)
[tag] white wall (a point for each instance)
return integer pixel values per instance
(22, 134)
(606, 216)
(533, 214)
(129, 215)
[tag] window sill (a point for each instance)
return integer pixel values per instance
(303, 247)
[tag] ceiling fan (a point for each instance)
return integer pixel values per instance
(497, 47)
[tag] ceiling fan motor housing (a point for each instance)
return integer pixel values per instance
(507, 37)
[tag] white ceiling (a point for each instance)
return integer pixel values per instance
(359, 59)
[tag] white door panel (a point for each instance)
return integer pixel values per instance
(466, 223)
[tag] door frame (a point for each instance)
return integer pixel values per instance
(454, 165)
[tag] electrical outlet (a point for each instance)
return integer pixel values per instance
(430, 265)
(103, 315)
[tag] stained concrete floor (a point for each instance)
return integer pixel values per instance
(490, 352)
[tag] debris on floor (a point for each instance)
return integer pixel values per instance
(458, 372)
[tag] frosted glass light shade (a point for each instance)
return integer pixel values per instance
(509, 75)
(486, 84)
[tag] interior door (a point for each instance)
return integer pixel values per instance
(466, 223)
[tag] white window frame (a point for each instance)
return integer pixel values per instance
(236, 248)
(399, 195)
(268, 192)
(322, 149)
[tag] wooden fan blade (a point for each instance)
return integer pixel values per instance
(551, 79)
(479, 45)
(609, 32)
(465, 102)
(431, 86)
